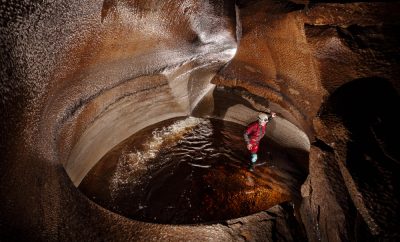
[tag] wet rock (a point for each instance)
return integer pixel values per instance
(351, 41)
(63, 66)
(325, 206)
(364, 132)
(359, 63)
(275, 224)
(274, 61)
(67, 66)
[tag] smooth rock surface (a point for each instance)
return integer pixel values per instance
(69, 69)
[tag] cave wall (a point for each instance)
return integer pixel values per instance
(275, 62)
(70, 69)
(64, 65)
(355, 47)
(102, 56)
(312, 54)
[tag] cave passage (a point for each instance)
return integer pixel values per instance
(190, 170)
(373, 155)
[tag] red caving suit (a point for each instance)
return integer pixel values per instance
(253, 135)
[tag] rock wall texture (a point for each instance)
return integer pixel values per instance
(334, 67)
(354, 47)
(76, 76)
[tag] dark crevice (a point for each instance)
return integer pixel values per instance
(292, 6)
(322, 145)
(372, 150)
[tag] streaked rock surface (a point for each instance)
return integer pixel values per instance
(78, 77)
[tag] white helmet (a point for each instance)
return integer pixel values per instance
(262, 117)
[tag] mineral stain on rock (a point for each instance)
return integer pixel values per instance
(66, 65)
(190, 170)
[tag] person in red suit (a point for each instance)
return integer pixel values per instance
(254, 133)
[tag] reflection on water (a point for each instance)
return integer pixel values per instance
(190, 170)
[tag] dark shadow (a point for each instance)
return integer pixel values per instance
(369, 108)
(108, 7)
(226, 97)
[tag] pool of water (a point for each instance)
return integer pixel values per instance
(191, 170)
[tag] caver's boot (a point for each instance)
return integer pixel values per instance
(251, 167)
